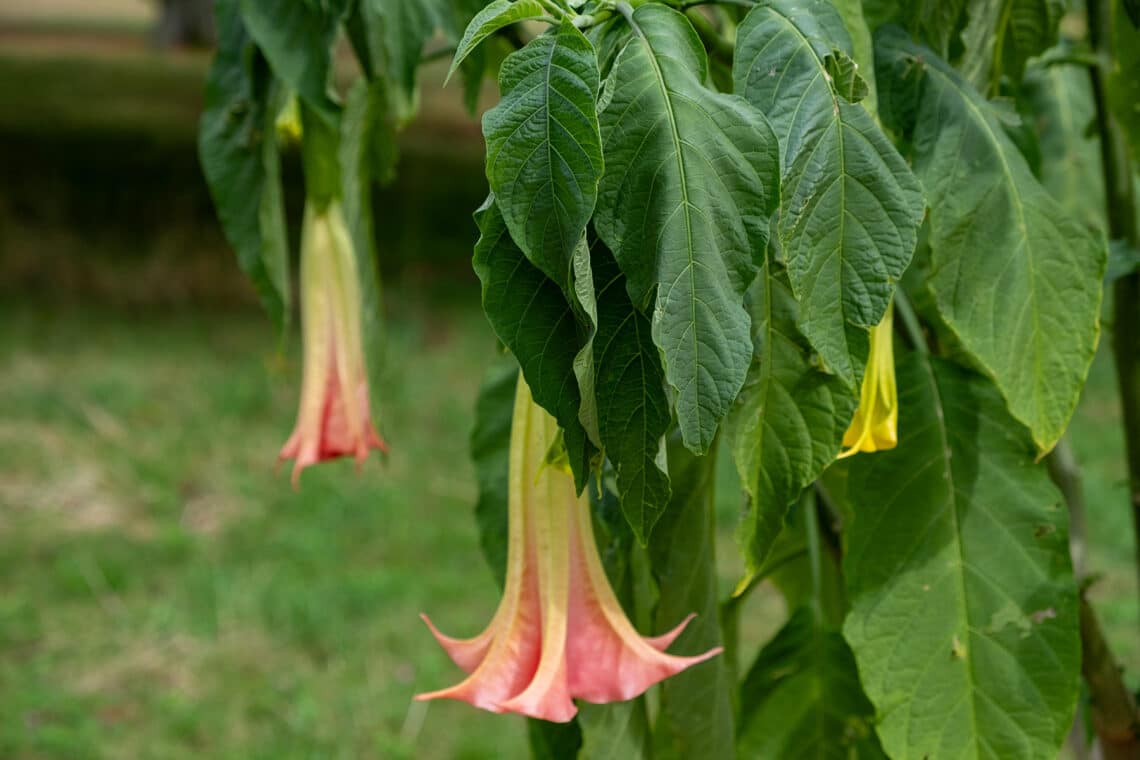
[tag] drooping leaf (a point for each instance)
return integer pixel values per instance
(802, 698)
(849, 220)
(691, 180)
(1002, 35)
(790, 417)
(633, 411)
(544, 152)
(396, 31)
(615, 731)
(695, 717)
(296, 37)
(936, 22)
(1059, 100)
(495, 16)
(1016, 278)
(533, 319)
(963, 606)
(553, 741)
(490, 453)
(238, 152)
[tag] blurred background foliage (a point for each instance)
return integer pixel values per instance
(163, 591)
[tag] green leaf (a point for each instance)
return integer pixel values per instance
(851, 211)
(695, 718)
(544, 152)
(1060, 100)
(937, 22)
(802, 698)
(1002, 35)
(1016, 278)
(615, 731)
(862, 46)
(396, 31)
(963, 606)
(490, 453)
(530, 315)
(843, 75)
(633, 411)
(789, 421)
(238, 152)
(497, 15)
(691, 180)
(553, 741)
(296, 37)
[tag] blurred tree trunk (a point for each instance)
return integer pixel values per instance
(185, 23)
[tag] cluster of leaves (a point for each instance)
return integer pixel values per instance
(696, 214)
(685, 234)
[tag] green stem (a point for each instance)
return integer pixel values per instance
(1120, 205)
(910, 323)
(1113, 708)
(811, 529)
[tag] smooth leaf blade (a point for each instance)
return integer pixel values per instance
(790, 418)
(849, 220)
(691, 181)
(396, 31)
(238, 152)
(633, 411)
(802, 698)
(534, 321)
(1015, 277)
(544, 150)
(497, 15)
(963, 606)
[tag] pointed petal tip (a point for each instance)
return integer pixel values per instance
(662, 642)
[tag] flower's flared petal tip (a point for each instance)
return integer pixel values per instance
(461, 693)
(466, 653)
(662, 642)
(555, 709)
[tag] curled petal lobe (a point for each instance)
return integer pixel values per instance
(560, 633)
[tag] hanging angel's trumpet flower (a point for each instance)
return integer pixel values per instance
(560, 632)
(876, 423)
(335, 418)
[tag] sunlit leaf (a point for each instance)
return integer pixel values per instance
(1015, 276)
(963, 606)
(691, 180)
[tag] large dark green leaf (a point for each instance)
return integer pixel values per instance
(937, 22)
(790, 419)
(396, 31)
(544, 153)
(802, 698)
(849, 220)
(696, 711)
(1015, 276)
(1002, 35)
(531, 316)
(633, 411)
(296, 37)
(691, 180)
(963, 606)
(238, 151)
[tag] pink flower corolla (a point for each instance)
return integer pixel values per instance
(335, 418)
(559, 633)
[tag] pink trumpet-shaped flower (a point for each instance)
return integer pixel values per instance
(334, 419)
(559, 632)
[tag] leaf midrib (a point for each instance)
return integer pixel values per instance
(677, 150)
